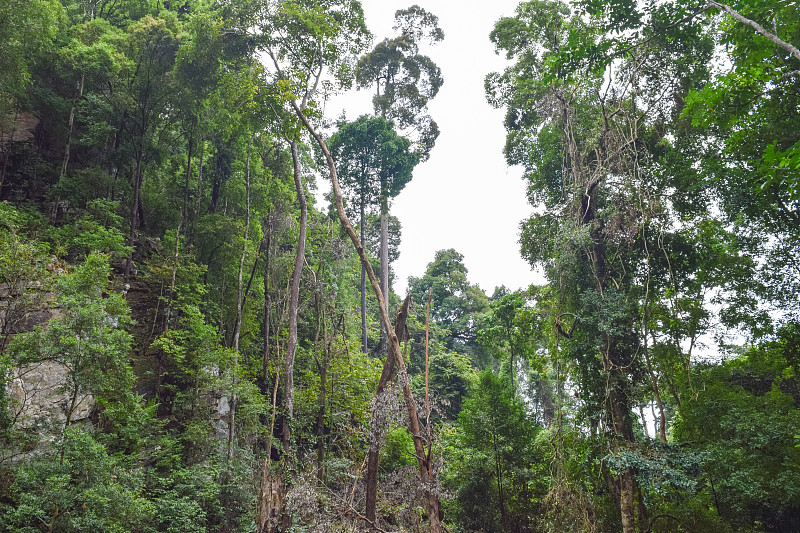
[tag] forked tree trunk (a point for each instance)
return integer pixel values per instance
(424, 462)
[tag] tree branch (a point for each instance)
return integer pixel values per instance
(758, 27)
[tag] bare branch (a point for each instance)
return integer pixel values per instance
(758, 27)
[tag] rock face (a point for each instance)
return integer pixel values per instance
(38, 397)
(37, 394)
(21, 129)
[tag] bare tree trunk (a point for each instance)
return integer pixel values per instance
(181, 223)
(137, 187)
(71, 125)
(626, 492)
(267, 223)
(427, 365)
(622, 424)
(199, 193)
(294, 300)
(171, 297)
(394, 343)
(384, 260)
(239, 299)
(323, 386)
(373, 454)
(364, 347)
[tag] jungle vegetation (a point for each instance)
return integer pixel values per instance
(192, 341)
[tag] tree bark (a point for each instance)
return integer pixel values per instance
(373, 454)
(626, 492)
(267, 223)
(323, 386)
(294, 301)
(137, 187)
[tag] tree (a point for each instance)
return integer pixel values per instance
(747, 113)
(457, 305)
(403, 78)
(586, 121)
(375, 164)
(142, 96)
(510, 326)
(495, 463)
(743, 425)
(409, 80)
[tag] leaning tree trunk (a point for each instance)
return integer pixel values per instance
(424, 462)
(373, 454)
(294, 300)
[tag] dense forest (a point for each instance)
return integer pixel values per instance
(193, 340)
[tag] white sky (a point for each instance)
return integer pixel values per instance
(465, 196)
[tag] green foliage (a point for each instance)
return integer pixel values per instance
(99, 229)
(742, 422)
(398, 451)
(27, 29)
(405, 80)
(660, 149)
(375, 163)
(456, 304)
(89, 490)
(511, 329)
(88, 338)
(497, 471)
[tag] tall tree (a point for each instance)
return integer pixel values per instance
(302, 39)
(457, 304)
(587, 117)
(408, 80)
(375, 164)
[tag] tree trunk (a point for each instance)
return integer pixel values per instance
(71, 125)
(137, 187)
(322, 366)
(199, 193)
(394, 343)
(662, 423)
(239, 299)
(384, 260)
(270, 500)
(373, 454)
(623, 428)
(626, 492)
(294, 300)
(364, 347)
(267, 223)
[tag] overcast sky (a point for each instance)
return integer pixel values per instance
(465, 196)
